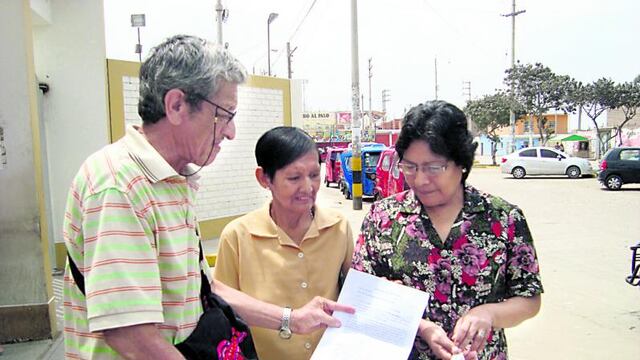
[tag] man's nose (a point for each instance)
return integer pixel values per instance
(229, 131)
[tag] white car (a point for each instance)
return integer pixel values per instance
(544, 161)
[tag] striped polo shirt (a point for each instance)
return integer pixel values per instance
(130, 228)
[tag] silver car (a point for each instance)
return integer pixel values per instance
(544, 161)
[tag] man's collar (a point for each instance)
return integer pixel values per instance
(152, 164)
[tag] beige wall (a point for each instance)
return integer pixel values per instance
(26, 299)
(615, 117)
(69, 54)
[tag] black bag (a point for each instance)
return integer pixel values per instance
(220, 333)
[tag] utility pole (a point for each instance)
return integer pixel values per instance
(289, 56)
(371, 120)
(370, 75)
(466, 89)
(435, 64)
(512, 114)
(386, 97)
(219, 18)
(356, 160)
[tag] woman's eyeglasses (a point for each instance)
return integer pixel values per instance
(429, 169)
(229, 115)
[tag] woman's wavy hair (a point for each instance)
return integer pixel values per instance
(444, 127)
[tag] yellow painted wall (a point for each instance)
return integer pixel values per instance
(562, 124)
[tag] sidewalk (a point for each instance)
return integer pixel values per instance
(42, 349)
(485, 160)
(50, 349)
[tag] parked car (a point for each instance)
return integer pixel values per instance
(332, 165)
(370, 155)
(620, 166)
(544, 161)
(389, 178)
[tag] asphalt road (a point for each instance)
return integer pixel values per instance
(582, 234)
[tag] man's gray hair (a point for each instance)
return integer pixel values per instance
(191, 64)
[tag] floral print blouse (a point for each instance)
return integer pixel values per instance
(488, 257)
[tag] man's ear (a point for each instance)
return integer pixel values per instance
(262, 178)
(175, 106)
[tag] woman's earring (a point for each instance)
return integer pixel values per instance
(464, 170)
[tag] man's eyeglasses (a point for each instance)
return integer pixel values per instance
(429, 169)
(229, 115)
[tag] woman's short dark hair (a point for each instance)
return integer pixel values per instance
(280, 147)
(444, 127)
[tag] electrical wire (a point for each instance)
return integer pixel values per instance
(283, 50)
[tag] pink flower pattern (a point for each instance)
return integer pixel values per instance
(488, 257)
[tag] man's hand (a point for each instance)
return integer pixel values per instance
(316, 314)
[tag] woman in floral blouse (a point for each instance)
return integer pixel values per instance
(471, 251)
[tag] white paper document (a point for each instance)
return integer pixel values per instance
(384, 325)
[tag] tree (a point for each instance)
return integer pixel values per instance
(490, 113)
(628, 100)
(538, 90)
(596, 98)
(575, 99)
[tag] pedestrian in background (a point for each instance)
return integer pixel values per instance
(471, 251)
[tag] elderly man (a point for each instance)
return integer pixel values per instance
(130, 225)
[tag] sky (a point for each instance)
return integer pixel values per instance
(469, 41)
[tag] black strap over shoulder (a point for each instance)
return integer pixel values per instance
(205, 288)
(77, 275)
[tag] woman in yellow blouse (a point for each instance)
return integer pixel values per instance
(290, 251)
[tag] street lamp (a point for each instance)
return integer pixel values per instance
(272, 17)
(138, 21)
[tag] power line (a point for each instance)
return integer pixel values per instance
(281, 51)
(302, 21)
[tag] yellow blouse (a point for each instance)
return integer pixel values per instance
(259, 259)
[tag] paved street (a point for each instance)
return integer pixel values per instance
(582, 234)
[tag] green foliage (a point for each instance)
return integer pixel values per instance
(538, 89)
(596, 98)
(628, 101)
(490, 113)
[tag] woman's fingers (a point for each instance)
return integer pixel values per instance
(472, 329)
(461, 333)
(436, 338)
(330, 306)
(479, 340)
